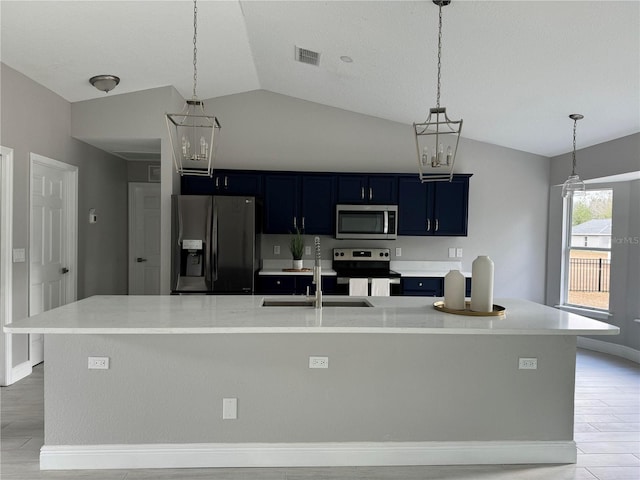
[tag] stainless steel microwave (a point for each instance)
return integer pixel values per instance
(374, 222)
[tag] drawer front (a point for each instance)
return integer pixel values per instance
(423, 286)
(285, 284)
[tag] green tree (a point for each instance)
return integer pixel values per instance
(581, 213)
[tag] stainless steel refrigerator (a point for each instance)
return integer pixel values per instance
(214, 244)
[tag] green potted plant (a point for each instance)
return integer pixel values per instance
(296, 246)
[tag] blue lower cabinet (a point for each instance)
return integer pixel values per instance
(423, 286)
(294, 284)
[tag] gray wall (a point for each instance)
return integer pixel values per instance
(378, 387)
(34, 119)
(139, 171)
(267, 131)
(619, 156)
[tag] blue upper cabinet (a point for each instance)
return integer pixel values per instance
(371, 189)
(317, 204)
(295, 201)
(433, 208)
(236, 182)
(223, 182)
(281, 203)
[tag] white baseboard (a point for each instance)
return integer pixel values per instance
(230, 455)
(611, 348)
(19, 372)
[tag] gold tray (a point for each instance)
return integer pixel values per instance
(498, 310)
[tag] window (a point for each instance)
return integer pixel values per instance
(588, 250)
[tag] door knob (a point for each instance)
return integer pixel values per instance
(139, 259)
(64, 270)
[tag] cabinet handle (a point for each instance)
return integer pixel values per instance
(226, 181)
(428, 224)
(362, 193)
(420, 284)
(217, 182)
(295, 222)
(437, 225)
(277, 282)
(302, 223)
(370, 193)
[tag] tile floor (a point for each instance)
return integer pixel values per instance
(607, 432)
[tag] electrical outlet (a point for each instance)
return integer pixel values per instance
(398, 252)
(318, 362)
(528, 363)
(452, 252)
(98, 363)
(229, 408)
(459, 252)
(276, 249)
(307, 250)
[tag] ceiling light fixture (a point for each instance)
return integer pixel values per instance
(192, 132)
(104, 83)
(573, 183)
(437, 138)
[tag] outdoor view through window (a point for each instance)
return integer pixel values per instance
(589, 259)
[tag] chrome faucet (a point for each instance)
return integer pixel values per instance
(317, 275)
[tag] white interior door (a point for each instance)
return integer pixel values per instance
(144, 238)
(52, 276)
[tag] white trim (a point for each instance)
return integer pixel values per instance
(611, 348)
(238, 455)
(8, 374)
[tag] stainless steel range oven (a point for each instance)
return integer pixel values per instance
(364, 263)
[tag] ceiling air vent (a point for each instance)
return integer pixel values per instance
(307, 56)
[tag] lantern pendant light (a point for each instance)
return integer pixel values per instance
(193, 133)
(573, 183)
(437, 138)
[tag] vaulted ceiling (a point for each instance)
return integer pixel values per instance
(514, 70)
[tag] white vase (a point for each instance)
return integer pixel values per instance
(454, 290)
(482, 284)
(297, 264)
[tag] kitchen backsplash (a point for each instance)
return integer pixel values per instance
(412, 248)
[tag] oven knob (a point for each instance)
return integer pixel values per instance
(342, 254)
(337, 254)
(386, 254)
(381, 254)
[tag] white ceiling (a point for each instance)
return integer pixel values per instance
(513, 70)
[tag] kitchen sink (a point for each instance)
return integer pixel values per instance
(305, 302)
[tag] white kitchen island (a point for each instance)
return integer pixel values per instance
(406, 384)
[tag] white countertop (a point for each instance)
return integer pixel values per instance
(217, 314)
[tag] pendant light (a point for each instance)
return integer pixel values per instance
(437, 138)
(192, 132)
(573, 183)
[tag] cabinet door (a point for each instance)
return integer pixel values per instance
(192, 185)
(352, 189)
(236, 182)
(281, 197)
(318, 212)
(423, 286)
(277, 284)
(382, 190)
(451, 201)
(414, 206)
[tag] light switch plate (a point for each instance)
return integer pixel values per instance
(307, 250)
(459, 252)
(229, 408)
(276, 249)
(398, 252)
(452, 252)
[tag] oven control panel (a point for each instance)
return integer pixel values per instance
(362, 254)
